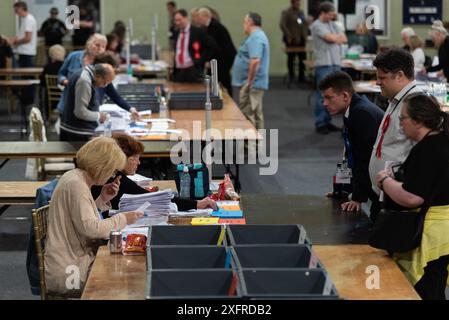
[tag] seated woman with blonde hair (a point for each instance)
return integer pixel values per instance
(75, 226)
(133, 149)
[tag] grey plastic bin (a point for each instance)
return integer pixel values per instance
(192, 284)
(192, 101)
(198, 257)
(185, 235)
(267, 234)
(282, 256)
(290, 283)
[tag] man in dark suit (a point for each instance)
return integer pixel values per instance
(194, 48)
(225, 52)
(361, 121)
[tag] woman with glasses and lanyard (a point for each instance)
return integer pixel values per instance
(424, 176)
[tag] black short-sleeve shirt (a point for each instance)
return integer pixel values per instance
(426, 168)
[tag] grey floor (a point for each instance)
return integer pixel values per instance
(306, 164)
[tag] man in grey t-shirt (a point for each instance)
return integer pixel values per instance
(327, 39)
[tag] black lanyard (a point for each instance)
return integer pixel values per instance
(402, 98)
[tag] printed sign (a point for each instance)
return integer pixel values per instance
(422, 11)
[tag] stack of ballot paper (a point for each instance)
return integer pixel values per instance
(151, 204)
(114, 110)
(141, 180)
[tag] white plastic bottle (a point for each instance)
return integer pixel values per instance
(163, 109)
(108, 126)
(185, 183)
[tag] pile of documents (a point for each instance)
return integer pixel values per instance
(155, 204)
(140, 180)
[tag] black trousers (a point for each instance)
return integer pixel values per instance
(291, 65)
(191, 74)
(224, 76)
(432, 285)
(29, 93)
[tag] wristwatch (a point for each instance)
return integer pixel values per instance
(381, 182)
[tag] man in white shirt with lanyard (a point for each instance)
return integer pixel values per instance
(395, 76)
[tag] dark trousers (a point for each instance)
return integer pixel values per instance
(28, 94)
(432, 285)
(291, 65)
(69, 136)
(224, 76)
(191, 74)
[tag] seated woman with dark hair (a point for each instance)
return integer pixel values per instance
(424, 180)
(133, 149)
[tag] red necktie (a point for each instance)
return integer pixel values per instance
(181, 51)
(381, 140)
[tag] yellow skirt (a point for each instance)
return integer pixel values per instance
(434, 244)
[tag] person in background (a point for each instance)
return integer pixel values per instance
(406, 33)
(194, 17)
(87, 27)
(5, 51)
(250, 70)
(25, 44)
(53, 29)
(327, 40)
(416, 49)
(194, 49)
(57, 55)
(75, 226)
(361, 120)
(172, 29)
(133, 149)
(120, 31)
(110, 90)
(81, 115)
(76, 60)
(424, 178)
(112, 46)
(225, 52)
(295, 31)
(365, 38)
(396, 78)
(214, 13)
(440, 38)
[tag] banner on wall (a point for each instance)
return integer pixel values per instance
(422, 11)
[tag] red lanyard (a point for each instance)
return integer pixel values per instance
(386, 124)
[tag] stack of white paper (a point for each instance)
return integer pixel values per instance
(140, 180)
(159, 203)
(114, 110)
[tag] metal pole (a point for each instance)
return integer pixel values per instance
(129, 32)
(214, 72)
(153, 39)
(208, 107)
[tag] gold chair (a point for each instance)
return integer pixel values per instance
(55, 167)
(40, 222)
(54, 93)
(40, 231)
